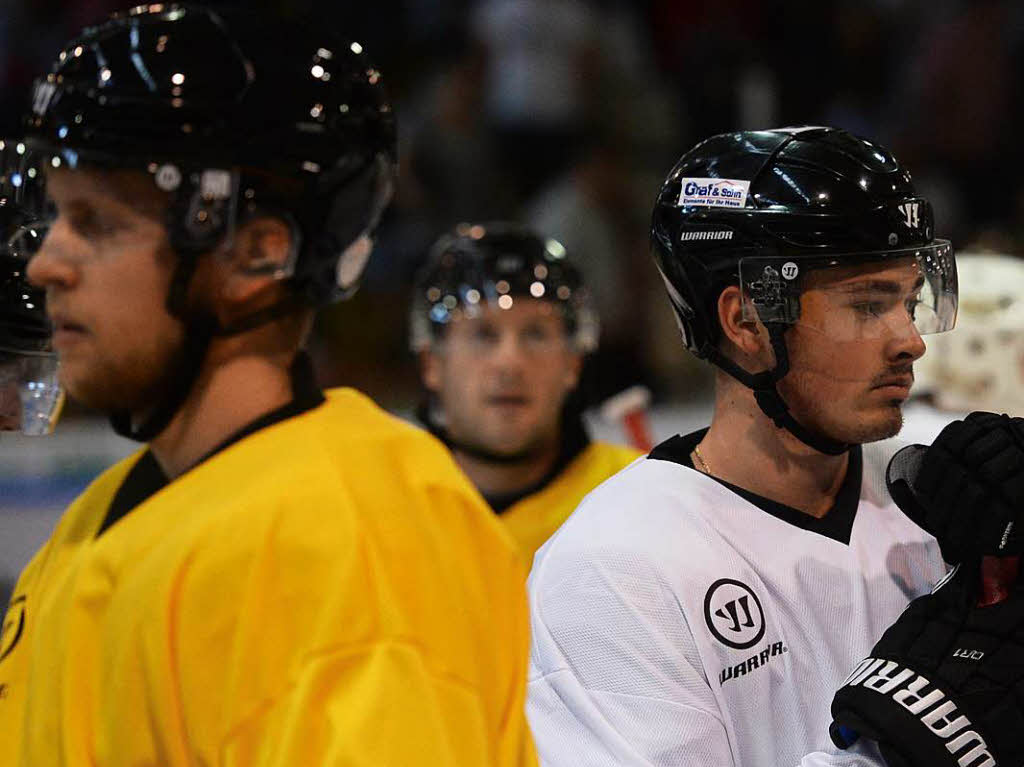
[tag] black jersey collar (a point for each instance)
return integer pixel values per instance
(837, 524)
(146, 478)
(573, 441)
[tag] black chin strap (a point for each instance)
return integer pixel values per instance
(182, 374)
(767, 395)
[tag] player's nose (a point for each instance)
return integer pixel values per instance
(51, 267)
(905, 342)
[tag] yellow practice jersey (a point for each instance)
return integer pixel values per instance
(329, 590)
(534, 519)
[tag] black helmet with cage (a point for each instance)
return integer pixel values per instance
(499, 265)
(30, 397)
(764, 210)
(494, 264)
(233, 115)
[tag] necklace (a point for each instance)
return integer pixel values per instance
(703, 464)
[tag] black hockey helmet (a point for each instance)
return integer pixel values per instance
(234, 115)
(30, 396)
(763, 210)
(477, 265)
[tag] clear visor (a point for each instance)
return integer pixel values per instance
(856, 296)
(30, 396)
(25, 241)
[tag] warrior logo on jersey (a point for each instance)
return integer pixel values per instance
(734, 614)
(13, 626)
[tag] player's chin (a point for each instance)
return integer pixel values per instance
(512, 445)
(91, 393)
(880, 421)
(96, 387)
(513, 442)
(78, 380)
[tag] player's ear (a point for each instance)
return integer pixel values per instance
(260, 253)
(748, 337)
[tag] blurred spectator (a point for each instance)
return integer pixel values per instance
(958, 108)
(592, 211)
(540, 56)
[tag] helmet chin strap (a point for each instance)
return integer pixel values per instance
(767, 396)
(184, 370)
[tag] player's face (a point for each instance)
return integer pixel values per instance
(501, 377)
(852, 352)
(106, 268)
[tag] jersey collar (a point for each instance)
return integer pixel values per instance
(146, 478)
(837, 523)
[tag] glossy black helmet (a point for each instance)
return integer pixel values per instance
(764, 209)
(495, 264)
(234, 115)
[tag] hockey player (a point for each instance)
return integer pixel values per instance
(702, 606)
(30, 398)
(278, 576)
(501, 322)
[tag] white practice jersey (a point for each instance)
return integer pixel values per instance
(678, 621)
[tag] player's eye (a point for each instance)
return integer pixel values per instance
(484, 335)
(535, 333)
(89, 222)
(868, 308)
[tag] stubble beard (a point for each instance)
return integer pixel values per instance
(857, 427)
(134, 386)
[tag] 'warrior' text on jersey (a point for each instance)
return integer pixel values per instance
(327, 590)
(678, 621)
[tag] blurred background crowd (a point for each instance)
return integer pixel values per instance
(567, 114)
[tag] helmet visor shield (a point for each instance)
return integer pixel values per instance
(26, 239)
(855, 296)
(30, 396)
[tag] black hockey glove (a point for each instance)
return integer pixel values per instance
(944, 687)
(967, 489)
